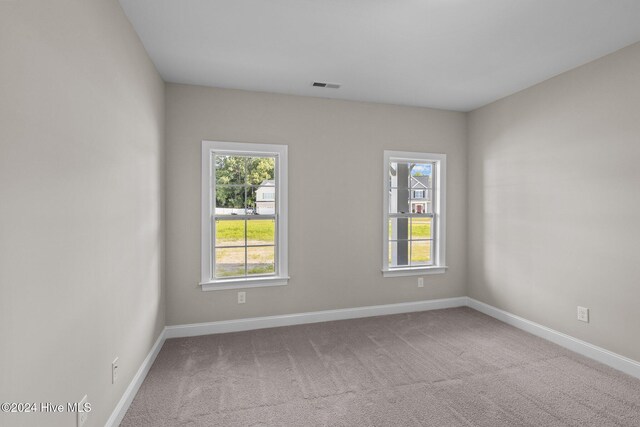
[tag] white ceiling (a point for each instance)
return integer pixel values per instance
(452, 54)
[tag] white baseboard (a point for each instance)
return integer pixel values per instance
(606, 357)
(584, 348)
(125, 401)
(237, 325)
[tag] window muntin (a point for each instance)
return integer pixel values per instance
(244, 214)
(413, 234)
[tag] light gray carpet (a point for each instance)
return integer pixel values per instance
(454, 367)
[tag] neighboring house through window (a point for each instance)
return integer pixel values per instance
(265, 198)
(414, 213)
(244, 215)
(420, 197)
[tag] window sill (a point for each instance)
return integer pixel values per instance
(415, 271)
(220, 285)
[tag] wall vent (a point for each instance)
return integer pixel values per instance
(326, 85)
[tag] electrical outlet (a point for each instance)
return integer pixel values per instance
(421, 282)
(242, 297)
(115, 366)
(82, 414)
(583, 314)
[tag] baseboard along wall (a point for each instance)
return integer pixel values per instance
(125, 401)
(616, 361)
(196, 329)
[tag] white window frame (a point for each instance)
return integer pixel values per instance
(208, 282)
(438, 201)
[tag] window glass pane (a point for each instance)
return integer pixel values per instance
(230, 169)
(230, 200)
(421, 252)
(393, 200)
(260, 260)
(261, 170)
(393, 228)
(398, 228)
(261, 232)
(240, 238)
(398, 253)
(229, 262)
(420, 228)
(399, 200)
(411, 216)
(229, 232)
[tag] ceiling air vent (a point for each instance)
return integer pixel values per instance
(326, 85)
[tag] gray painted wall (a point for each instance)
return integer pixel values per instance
(554, 202)
(81, 127)
(550, 201)
(335, 159)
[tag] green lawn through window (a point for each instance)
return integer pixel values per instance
(420, 229)
(230, 261)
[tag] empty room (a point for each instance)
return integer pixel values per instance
(319, 213)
